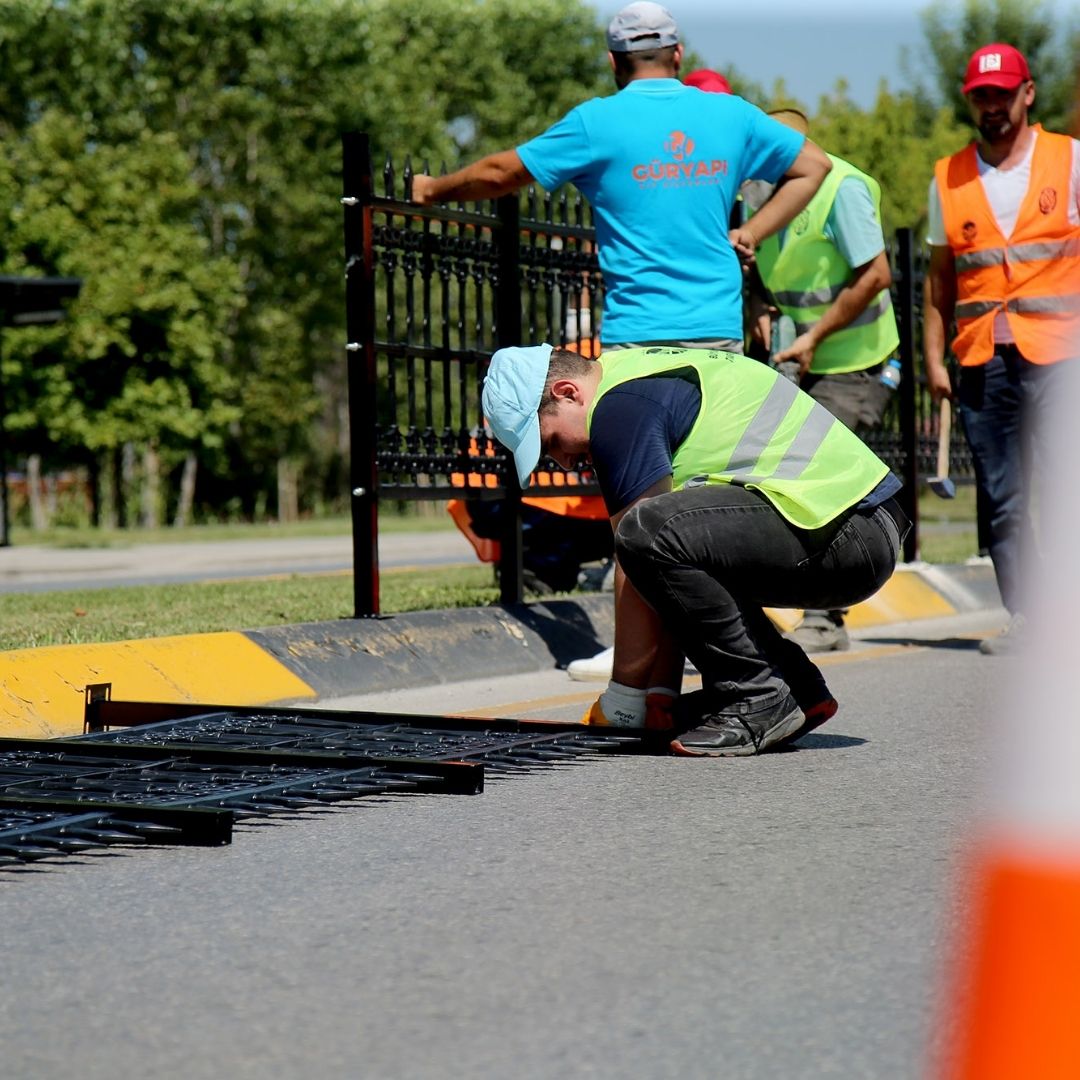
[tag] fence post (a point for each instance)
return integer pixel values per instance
(508, 332)
(909, 436)
(361, 365)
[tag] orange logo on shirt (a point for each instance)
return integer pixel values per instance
(1047, 199)
(969, 230)
(680, 168)
(679, 145)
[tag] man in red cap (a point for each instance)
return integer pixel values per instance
(1004, 230)
(711, 82)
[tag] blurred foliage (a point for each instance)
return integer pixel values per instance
(183, 158)
(1049, 41)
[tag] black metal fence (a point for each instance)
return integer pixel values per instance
(431, 292)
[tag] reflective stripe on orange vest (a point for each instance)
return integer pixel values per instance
(1033, 275)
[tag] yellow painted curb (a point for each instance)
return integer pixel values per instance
(41, 690)
(905, 596)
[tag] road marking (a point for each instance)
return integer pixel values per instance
(585, 697)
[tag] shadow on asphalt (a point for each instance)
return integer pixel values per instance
(818, 741)
(961, 644)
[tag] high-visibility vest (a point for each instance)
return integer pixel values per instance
(758, 430)
(807, 273)
(1033, 275)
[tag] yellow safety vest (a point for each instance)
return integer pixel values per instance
(759, 430)
(807, 274)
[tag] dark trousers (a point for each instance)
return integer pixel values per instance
(1003, 405)
(708, 559)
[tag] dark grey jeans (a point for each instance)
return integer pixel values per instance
(708, 559)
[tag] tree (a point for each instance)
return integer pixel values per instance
(257, 93)
(1050, 44)
(138, 360)
(896, 142)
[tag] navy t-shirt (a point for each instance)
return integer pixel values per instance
(637, 427)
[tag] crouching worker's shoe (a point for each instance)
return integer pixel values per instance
(739, 735)
(817, 714)
(618, 706)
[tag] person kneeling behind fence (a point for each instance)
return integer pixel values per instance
(729, 490)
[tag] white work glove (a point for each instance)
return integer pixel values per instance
(617, 706)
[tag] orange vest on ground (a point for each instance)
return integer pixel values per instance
(1033, 275)
(586, 507)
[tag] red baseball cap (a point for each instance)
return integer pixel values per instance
(712, 81)
(996, 65)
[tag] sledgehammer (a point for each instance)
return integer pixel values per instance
(941, 485)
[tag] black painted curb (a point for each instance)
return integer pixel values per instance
(425, 648)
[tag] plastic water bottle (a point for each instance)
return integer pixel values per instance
(890, 374)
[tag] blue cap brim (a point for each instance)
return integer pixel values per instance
(527, 455)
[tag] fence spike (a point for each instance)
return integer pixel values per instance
(388, 178)
(407, 175)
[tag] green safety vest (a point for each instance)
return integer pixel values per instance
(759, 430)
(807, 274)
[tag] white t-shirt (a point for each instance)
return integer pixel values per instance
(1005, 190)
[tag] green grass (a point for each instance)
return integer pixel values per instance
(947, 532)
(83, 616)
(29, 620)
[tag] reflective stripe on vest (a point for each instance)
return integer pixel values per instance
(1019, 306)
(875, 311)
(756, 429)
(1032, 276)
(1017, 253)
(757, 437)
(808, 273)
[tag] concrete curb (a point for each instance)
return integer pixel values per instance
(42, 690)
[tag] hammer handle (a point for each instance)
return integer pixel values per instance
(944, 434)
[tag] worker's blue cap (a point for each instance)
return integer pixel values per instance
(512, 391)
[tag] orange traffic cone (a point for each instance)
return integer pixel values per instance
(1014, 1011)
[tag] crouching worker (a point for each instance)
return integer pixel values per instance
(729, 490)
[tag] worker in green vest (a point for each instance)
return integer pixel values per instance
(729, 489)
(826, 279)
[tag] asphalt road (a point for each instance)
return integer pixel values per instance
(32, 568)
(783, 916)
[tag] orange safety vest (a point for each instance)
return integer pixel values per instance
(1033, 275)
(586, 507)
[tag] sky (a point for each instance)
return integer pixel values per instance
(812, 43)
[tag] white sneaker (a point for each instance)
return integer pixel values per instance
(592, 668)
(598, 668)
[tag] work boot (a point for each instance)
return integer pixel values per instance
(820, 631)
(1012, 640)
(740, 735)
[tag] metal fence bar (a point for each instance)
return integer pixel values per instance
(904, 291)
(360, 332)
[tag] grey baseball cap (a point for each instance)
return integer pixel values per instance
(642, 25)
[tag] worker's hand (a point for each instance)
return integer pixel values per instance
(802, 350)
(938, 382)
(744, 242)
(617, 706)
(422, 188)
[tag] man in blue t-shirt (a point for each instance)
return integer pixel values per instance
(661, 164)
